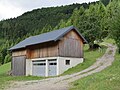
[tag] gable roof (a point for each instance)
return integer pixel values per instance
(46, 37)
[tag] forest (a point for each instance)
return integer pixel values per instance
(96, 21)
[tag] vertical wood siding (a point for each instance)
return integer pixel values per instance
(19, 65)
(19, 53)
(43, 50)
(71, 45)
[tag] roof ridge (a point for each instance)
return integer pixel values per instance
(69, 28)
(45, 37)
(51, 31)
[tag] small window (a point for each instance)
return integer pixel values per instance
(67, 62)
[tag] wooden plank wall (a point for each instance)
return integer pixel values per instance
(43, 50)
(71, 45)
(19, 65)
(19, 53)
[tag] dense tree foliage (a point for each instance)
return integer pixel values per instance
(115, 22)
(105, 2)
(95, 21)
(90, 22)
(32, 23)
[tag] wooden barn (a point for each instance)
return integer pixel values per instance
(48, 54)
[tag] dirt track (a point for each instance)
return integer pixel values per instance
(62, 82)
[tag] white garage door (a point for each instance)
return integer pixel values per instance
(39, 68)
(52, 70)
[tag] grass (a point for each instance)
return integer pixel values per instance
(108, 79)
(90, 58)
(112, 41)
(5, 68)
(5, 79)
(107, 40)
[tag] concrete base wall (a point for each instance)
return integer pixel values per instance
(28, 67)
(61, 64)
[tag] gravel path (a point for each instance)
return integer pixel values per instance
(62, 82)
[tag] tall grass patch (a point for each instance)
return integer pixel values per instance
(108, 79)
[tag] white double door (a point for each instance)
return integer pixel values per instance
(39, 67)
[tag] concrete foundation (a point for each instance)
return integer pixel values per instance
(62, 64)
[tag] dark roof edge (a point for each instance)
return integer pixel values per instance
(71, 27)
(16, 48)
(60, 36)
(27, 46)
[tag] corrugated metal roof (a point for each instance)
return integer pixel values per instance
(45, 37)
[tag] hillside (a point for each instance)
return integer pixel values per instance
(5, 68)
(108, 79)
(92, 20)
(32, 23)
(95, 21)
(5, 79)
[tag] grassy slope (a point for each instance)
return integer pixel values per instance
(4, 78)
(4, 68)
(112, 41)
(108, 79)
(90, 58)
